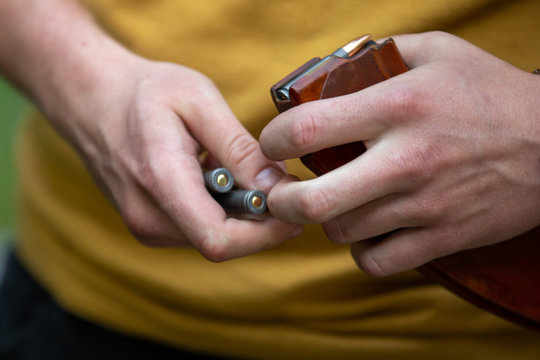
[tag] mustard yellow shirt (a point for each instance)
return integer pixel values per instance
(305, 298)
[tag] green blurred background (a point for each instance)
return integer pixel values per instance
(12, 109)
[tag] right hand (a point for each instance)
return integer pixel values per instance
(451, 161)
(141, 133)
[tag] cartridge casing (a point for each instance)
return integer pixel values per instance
(219, 180)
(242, 201)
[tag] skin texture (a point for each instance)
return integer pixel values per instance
(140, 128)
(452, 160)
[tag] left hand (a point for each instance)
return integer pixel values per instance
(452, 160)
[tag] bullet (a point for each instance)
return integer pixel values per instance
(219, 180)
(352, 47)
(242, 201)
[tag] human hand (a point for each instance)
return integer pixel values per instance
(140, 127)
(451, 161)
(141, 138)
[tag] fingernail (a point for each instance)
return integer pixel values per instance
(267, 178)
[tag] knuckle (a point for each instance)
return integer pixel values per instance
(240, 148)
(145, 175)
(148, 175)
(428, 209)
(137, 224)
(200, 78)
(317, 205)
(440, 43)
(418, 162)
(202, 89)
(436, 37)
(194, 80)
(404, 102)
(142, 225)
(304, 131)
(212, 250)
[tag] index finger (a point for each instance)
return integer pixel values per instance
(358, 116)
(321, 124)
(213, 124)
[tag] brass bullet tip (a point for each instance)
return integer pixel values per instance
(352, 47)
(222, 180)
(256, 201)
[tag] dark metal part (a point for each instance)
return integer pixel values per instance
(219, 180)
(242, 201)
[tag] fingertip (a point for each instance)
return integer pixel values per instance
(365, 261)
(266, 144)
(267, 178)
(396, 252)
(278, 196)
(296, 230)
(274, 138)
(284, 180)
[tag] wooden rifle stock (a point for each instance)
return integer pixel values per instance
(502, 278)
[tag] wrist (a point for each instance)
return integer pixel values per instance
(64, 61)
(93, 74)
(80, 69)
